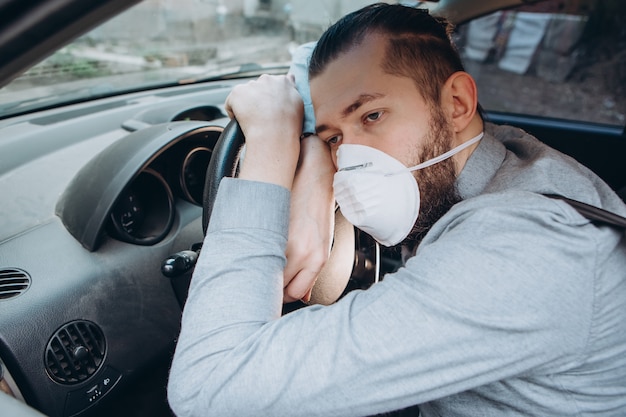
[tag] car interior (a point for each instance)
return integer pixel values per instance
(104, 210)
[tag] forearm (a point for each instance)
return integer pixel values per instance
(312, 219)
(315, 169)
(237, 283)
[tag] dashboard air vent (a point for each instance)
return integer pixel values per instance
(75, 352)
(13, 282)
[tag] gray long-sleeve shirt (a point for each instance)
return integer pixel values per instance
(514, 304)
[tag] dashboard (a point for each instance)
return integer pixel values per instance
(100, 195)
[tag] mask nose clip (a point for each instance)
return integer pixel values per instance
(358, 166)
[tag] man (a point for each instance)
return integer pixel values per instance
(512, 303)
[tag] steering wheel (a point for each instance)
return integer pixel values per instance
(354, 261)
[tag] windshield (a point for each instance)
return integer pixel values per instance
(560, 59)
(168, 42)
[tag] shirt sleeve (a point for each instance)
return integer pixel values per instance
(481, 301)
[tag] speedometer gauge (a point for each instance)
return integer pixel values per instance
(194, 172)
(144, 212)
(129, 213)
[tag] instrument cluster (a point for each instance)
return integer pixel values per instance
(145, 210)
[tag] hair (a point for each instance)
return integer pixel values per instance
(419, 46)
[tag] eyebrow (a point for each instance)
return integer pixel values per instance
(354, 106)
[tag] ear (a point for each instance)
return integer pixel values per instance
(460, 99)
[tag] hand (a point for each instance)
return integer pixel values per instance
(311, 220)
(269, 111)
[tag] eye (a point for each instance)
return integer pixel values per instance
(333, 140)
(372, 117)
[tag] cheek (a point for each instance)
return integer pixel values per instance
(404, 143)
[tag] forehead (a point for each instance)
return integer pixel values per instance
(358, 66)
(357, 76)
(355, 73)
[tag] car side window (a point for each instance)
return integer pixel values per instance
(561, 59)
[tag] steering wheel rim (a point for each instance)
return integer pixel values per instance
(222, 164)
(350, 249)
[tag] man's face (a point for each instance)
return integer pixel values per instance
(356, 102)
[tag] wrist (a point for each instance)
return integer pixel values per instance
(271, 159)
(315, 154)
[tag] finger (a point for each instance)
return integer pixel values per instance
(298, 288)
(291, 269)
(235, 96)
(228, 107)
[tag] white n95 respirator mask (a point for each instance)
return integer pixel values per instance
(379, 194)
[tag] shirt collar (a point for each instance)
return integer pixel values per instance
(481, 166)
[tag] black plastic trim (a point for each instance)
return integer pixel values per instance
(556, 124)
(32, 30)
(87, 201)
(153, 202)
(171, 112)
(13, 283)
(75, 352)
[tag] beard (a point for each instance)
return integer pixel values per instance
(437, 183)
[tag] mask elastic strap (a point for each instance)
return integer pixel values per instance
(448, 154)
